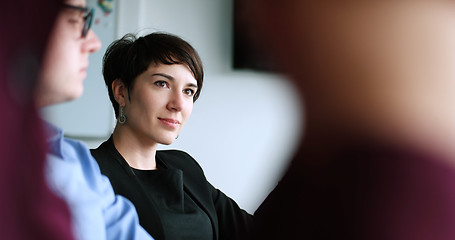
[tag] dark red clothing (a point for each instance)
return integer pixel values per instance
(362, 193)
(28, 210)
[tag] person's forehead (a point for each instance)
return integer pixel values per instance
(76, 2)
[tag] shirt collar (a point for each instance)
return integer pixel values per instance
(54, 138)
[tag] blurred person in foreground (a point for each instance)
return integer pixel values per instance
(71, 172)
(377, 83)
(29, 210)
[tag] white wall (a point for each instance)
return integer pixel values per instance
(244, 127)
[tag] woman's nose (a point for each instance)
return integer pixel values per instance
(92, 42)
(176, 101)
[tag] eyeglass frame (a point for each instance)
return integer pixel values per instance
(88, 18)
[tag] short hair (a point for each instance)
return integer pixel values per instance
(129, 56)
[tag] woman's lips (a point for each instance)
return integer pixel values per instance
(168, 122)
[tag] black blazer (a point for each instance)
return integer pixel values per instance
(228, 220)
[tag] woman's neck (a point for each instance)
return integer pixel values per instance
(139, 154)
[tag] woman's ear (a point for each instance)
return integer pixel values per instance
(119, 91)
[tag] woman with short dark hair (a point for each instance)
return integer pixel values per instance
(153, 82)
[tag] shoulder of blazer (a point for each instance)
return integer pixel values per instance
(179, 159)
(102, 154)
(101, 150)
(124, 183)
(109, 161)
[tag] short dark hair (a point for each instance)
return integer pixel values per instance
(129, 56)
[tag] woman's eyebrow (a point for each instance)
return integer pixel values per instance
(192, 85)
(164, 75)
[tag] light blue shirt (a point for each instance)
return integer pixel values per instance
(97, 213)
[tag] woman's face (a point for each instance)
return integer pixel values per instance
(66, 58)
(161, 101)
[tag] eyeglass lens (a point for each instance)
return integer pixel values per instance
(88, 18)
(87, 22)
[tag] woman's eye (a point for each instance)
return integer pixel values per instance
(189, 92)
(161, 84)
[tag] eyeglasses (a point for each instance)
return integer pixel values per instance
(87, 16)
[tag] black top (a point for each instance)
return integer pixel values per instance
(179, 214)
(176, 201)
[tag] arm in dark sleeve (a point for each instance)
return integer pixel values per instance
(234, 222)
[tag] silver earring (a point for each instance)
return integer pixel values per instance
(121, 117)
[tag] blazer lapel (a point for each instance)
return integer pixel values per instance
(195, 185)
